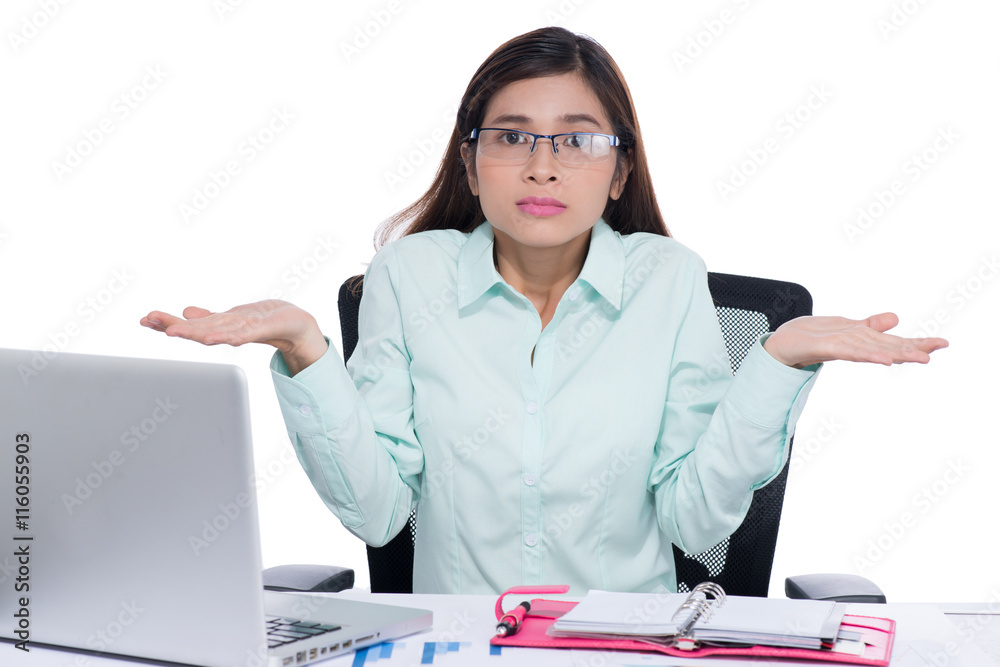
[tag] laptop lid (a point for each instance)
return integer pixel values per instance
(133, 519)
(131, 508)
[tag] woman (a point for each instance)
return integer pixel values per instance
(539, 369)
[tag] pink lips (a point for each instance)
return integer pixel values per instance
(541, 206)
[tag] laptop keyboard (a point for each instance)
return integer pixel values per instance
(281, 631)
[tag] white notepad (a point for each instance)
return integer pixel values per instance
(724, 619)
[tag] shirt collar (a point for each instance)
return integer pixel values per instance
(603, 269)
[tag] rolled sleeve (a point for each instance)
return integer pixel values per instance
(764, 388)
(772, 395)
(319, 398)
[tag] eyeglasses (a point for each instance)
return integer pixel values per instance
(569, 147)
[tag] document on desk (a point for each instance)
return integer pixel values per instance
(734, 620)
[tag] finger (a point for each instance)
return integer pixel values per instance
(914, 349)
(174, 326)
(194, 312)
(159, 320)
(904, 350)
(882, 321)
(930, 344)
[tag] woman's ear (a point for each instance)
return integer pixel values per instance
(469, 157)
(621, 176)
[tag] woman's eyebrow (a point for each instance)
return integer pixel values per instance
(570, 118)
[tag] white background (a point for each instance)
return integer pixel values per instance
(895, 76)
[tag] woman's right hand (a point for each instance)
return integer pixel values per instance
(276, 323)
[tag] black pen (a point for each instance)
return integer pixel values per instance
(511, 621)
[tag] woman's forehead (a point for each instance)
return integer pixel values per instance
(563, 99)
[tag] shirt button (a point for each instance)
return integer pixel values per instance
(531, 540)
(532, 407)
(305, 409)
(529, 480)
(574, 293)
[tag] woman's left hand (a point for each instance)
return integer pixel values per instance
(809, 340)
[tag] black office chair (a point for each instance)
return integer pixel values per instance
(741, 564)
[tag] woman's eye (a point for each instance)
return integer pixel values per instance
(575, 141)
(511, 138)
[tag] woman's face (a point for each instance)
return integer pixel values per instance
(545, 105)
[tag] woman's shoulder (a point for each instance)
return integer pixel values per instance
(422, 245)
(422, 251)
(643, 248)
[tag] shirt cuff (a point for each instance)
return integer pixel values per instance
(319, 398)
(764, 388)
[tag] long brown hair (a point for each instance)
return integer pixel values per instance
(450, 204)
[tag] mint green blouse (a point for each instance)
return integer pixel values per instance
(625, 434)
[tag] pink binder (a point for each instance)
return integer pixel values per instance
(877, 633)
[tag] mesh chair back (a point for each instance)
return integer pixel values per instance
(741, 564)
(391, 566)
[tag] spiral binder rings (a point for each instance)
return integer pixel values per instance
(700, 607)
(705, 622)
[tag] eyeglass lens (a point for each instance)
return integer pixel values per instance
(511, 145)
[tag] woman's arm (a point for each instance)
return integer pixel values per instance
(353, 437)
(721, 438)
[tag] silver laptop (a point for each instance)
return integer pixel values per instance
(130, 520)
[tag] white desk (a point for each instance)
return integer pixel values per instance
(463, 624)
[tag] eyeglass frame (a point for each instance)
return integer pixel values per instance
(614, 141)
